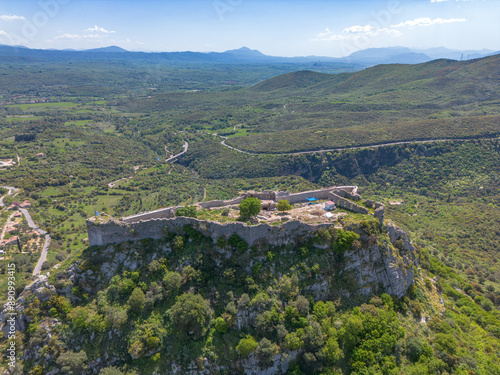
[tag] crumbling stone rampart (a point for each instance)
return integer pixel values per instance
(347, 204)
(116, 231)
(162, 213)
(153, 224)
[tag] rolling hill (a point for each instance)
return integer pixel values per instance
(386, 103)
(445, 74)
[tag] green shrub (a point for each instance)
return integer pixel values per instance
(221, 325)
(246, 346)
(72, 363)
(249, 207)
(172, 281)
(79, 318)
(190, 315)
(293, 341)
(344, 241)
(187, 211)
(110, 371)
(414, 348)
(137, 301)
(221, 242)
(284, 205)
(265, 352)
(445, 342)
(178, 243)
(237, 242)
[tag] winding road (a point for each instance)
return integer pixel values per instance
(223, 142)
(33, 226)
(185, 146)
(11, 190)
(43, 254)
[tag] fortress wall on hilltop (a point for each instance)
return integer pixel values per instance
(346, 194)
(301, 197)
(212, 204)
(266, 195)
(292, 198)
(162, 213)
(353, 189)
(154, 224)
(118, 232)
(342, 202)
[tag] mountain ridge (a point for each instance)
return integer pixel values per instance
(366, 57)
(378, 77)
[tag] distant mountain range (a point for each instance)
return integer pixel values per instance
(243, 55)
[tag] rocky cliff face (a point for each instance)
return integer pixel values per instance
(40, 289)
(384, 266)
(381, 260)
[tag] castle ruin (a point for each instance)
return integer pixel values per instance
(153, 224)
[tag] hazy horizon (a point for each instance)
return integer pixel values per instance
(281, 28)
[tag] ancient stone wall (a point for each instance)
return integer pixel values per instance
(344, 193)
(347, 204)
(301, 197)
(212, 204)
(162, 213)
(349, 191)
(115, 231)
(154, 224)
(266, 195)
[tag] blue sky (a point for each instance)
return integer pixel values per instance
(279, 27)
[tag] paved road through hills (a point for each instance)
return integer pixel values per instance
(185, 146)
(11, 190)
(35, 227)
(223, 142)
(43, 255)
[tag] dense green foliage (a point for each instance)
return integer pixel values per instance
(190, 315)
(172, 323)
(188, 211)
(249, 207)
(104, 143)
(283, 205)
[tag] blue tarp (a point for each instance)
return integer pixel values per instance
(311, 199)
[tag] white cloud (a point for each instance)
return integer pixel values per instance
(92, 33)
(3, 33)
(78, 37)
(67, 36)
(427, 21)
(356, 32)
(100, 30)
(391, 32)
(359, 29)
(11, 17)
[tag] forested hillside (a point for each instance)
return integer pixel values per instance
(87, 137)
